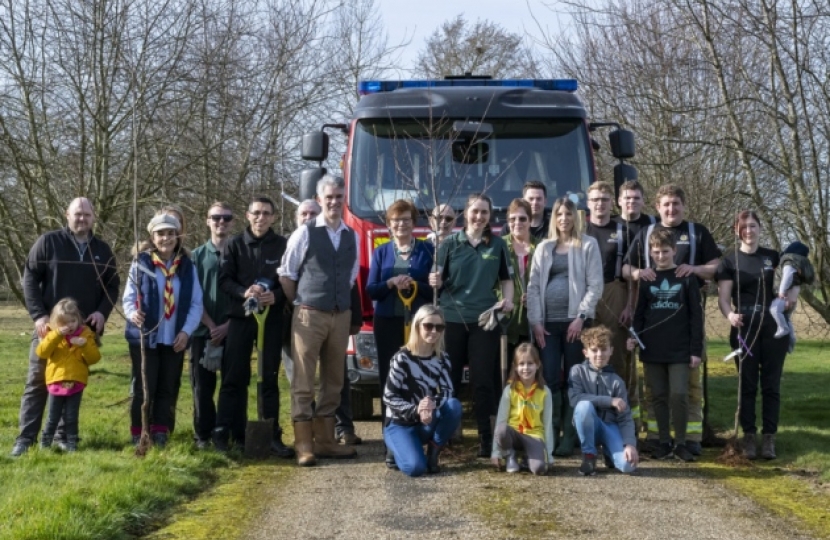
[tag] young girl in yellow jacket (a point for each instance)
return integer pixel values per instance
(525, 415)
(69, 348)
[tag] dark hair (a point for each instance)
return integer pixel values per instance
(742, 217)
(401, 206)
(797, 248)
(517, 204)
(263, 200)
(633, 185)
(534, 184)
(662, 237)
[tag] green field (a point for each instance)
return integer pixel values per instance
(103, 490)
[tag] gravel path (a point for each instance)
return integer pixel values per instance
(362, 499)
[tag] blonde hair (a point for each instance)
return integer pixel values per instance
(576, 231)
(602, 186)
(64, 311)
(415, 341)
(596, 336)
(526, 350)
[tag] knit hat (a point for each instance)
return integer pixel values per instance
(797, 248)
(162, 222)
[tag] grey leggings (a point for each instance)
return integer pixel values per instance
(509, 438)
(670, 397)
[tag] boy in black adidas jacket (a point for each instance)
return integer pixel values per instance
(669, 324)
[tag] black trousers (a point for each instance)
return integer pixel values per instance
(203, 383)
(388, 340)
(66, 408)
(470, 344)
(164, 375)
(232, 411)
(764, 366)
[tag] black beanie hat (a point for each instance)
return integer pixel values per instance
(797, 248)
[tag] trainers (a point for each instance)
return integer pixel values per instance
(512, 466)
(664, 451)
(682, 452)
(768, 446)
(750, 449)
(202, 444)
(160, 439)
(694, 447)
(20, 448)
(589, 465)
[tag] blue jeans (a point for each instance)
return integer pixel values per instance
(557, 354)
(592, 431)
(407, 442)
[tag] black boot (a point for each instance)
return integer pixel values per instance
(390, 459)
(278, 448)
(221, 439)
(485, 445)
(432, 458)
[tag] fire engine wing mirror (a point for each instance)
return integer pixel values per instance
(622, 143)
(308, 182)
(315, 146)
(472, 132)
(623, 172)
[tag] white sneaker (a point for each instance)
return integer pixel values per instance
(512, 465)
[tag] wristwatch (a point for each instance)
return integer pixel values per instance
(582, 316)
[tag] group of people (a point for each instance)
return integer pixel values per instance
(574, 300)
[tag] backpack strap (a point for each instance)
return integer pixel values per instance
(645, 244)
(692, 244)
(618, 270)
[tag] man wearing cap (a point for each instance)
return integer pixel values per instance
(317, 274)
(69, 262)
(248, 275)
(208, 341)
(163, 306)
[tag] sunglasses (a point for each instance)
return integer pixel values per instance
(520, 219)
(429, 327)
(221, 217)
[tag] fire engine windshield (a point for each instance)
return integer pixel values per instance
(433, 165)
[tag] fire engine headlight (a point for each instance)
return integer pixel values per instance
(366, 351)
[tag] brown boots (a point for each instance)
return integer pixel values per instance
(303, 437)
(325, 445)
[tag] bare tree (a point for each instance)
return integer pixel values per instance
(483, 48)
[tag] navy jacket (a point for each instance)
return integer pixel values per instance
(380, 270)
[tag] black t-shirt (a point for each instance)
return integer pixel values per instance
(609, 237)
(632, 228)
(540, 232)
(669, 318)
(751, 276)
(706, 249)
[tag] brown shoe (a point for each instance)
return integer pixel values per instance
(303, 437)
(768, 447)
(750, 450)
(324, 444)
(349, 438)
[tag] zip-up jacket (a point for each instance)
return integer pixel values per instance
(247, 259)
(57, 268)
(600, 388)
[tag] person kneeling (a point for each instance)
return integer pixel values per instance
(600, 401)
(420, 408)
(525, 419)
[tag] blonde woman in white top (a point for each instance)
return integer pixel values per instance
(565, 286)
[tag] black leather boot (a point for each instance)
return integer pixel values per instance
(485, 445)
(221, 438)
(278, 448)
(433, 450)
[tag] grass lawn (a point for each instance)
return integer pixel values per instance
(103, 490)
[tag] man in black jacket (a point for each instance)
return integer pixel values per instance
(249, 270)
(69, 262)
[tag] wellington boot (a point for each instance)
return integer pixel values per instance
(325, 445)
(566, 446)
(303, 444)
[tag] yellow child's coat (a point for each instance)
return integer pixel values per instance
(65, 362)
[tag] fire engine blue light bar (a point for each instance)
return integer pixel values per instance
(376, 87)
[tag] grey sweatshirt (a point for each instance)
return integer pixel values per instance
(600, 387)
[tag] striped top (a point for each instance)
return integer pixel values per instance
(411, 379)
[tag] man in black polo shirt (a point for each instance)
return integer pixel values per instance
(698, 255)
(612, 309)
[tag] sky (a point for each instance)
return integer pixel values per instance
(417, 19)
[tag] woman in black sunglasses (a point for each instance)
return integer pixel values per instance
(420, 409)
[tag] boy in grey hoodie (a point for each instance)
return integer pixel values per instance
(600, 401)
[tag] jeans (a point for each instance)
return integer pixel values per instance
(407, 442)
(558, 353)
(593, 430)
(64, 408)
(765, 366)
(472, 343)
(232, 407)
(203, 383)
(164, 373)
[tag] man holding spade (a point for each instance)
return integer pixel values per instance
(248, 274)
